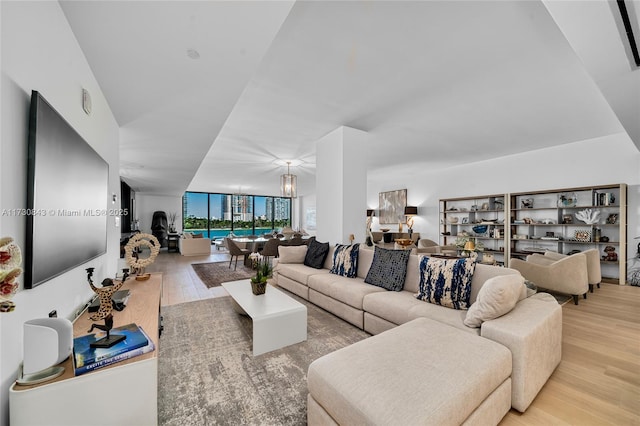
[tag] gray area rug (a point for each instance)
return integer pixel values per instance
(215, 273)
(208, 376)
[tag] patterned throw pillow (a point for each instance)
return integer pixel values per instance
(316, 254)
(388, 269)
(446, 282)
(345, 260)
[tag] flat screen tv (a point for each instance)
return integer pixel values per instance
(67, 197)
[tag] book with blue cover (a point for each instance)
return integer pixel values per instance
(121, 357)
(84, 354)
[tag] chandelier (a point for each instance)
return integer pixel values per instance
(289, 184)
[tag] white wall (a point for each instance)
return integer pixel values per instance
(608, 160)
(146, 204)
(39, 52)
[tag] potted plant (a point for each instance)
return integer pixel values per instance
(264, 271)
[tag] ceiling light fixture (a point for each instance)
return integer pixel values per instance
(289, 184)
(193, 54)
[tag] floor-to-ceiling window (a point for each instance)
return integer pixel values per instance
(216, 215)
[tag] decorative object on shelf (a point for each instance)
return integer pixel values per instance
(264, 271)
(452, 219)
(392, 204)
(480, 229)
(604, 239)
(399, 226)
(132, 257)
(610, 254)
(496, 233)
(484, 206)
(567, 219)
(465, 220)
(172, 222)
(289, 184)
(105, 294)
(467, 244)
(567, 200)
(597, 234)
(499, 203)
(527, 203)
(410, 212)
(10, 261)
(583, 235)
(588, 216)
(604, 199)
(474, 208)
(612, 218)
(548, 221)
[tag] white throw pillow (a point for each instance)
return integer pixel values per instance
(497, 297)
(292, 254)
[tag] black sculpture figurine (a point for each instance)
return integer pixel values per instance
(104, 312)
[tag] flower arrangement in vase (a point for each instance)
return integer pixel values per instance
(264, 271)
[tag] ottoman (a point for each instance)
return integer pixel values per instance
(421, 372)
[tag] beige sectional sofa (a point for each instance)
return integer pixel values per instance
(531, 332)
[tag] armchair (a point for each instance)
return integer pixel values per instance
(567, 275)
(594, 271)
(427, 246)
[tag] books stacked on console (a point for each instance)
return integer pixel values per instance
(87, 358)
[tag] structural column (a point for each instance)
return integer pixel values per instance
(341, 185)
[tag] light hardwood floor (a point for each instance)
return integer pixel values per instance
(597, 382)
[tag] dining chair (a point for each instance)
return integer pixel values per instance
(270, 248)
(235, 251)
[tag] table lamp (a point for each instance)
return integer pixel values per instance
(410, 212)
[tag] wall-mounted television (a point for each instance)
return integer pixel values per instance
(67, 197)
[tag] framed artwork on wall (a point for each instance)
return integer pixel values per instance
(392, 204)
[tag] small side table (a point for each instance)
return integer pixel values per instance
(172, 243)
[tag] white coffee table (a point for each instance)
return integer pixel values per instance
(278, 319)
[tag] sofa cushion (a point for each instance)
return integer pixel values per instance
(452, 317)
(483, 272)
(350, 291)
(316, 254)
(497, 297)
(299, 272)
(388, 269)
(392, 306)
(292, 254)
(345, 260)
(446, 282)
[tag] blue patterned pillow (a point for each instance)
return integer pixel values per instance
(388, 269)
(446, 282)
(345, 260)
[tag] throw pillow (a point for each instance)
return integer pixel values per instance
(446, 282)
(316, 254)
(198, 236)
(291, 254)
(345, 260)
(388, 268)
(498, 296)
(188, 235)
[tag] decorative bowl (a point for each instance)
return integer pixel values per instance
(480, 229)
(384, 229)
(404, 241)
(452, 219)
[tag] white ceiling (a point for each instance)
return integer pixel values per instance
(433, 82)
